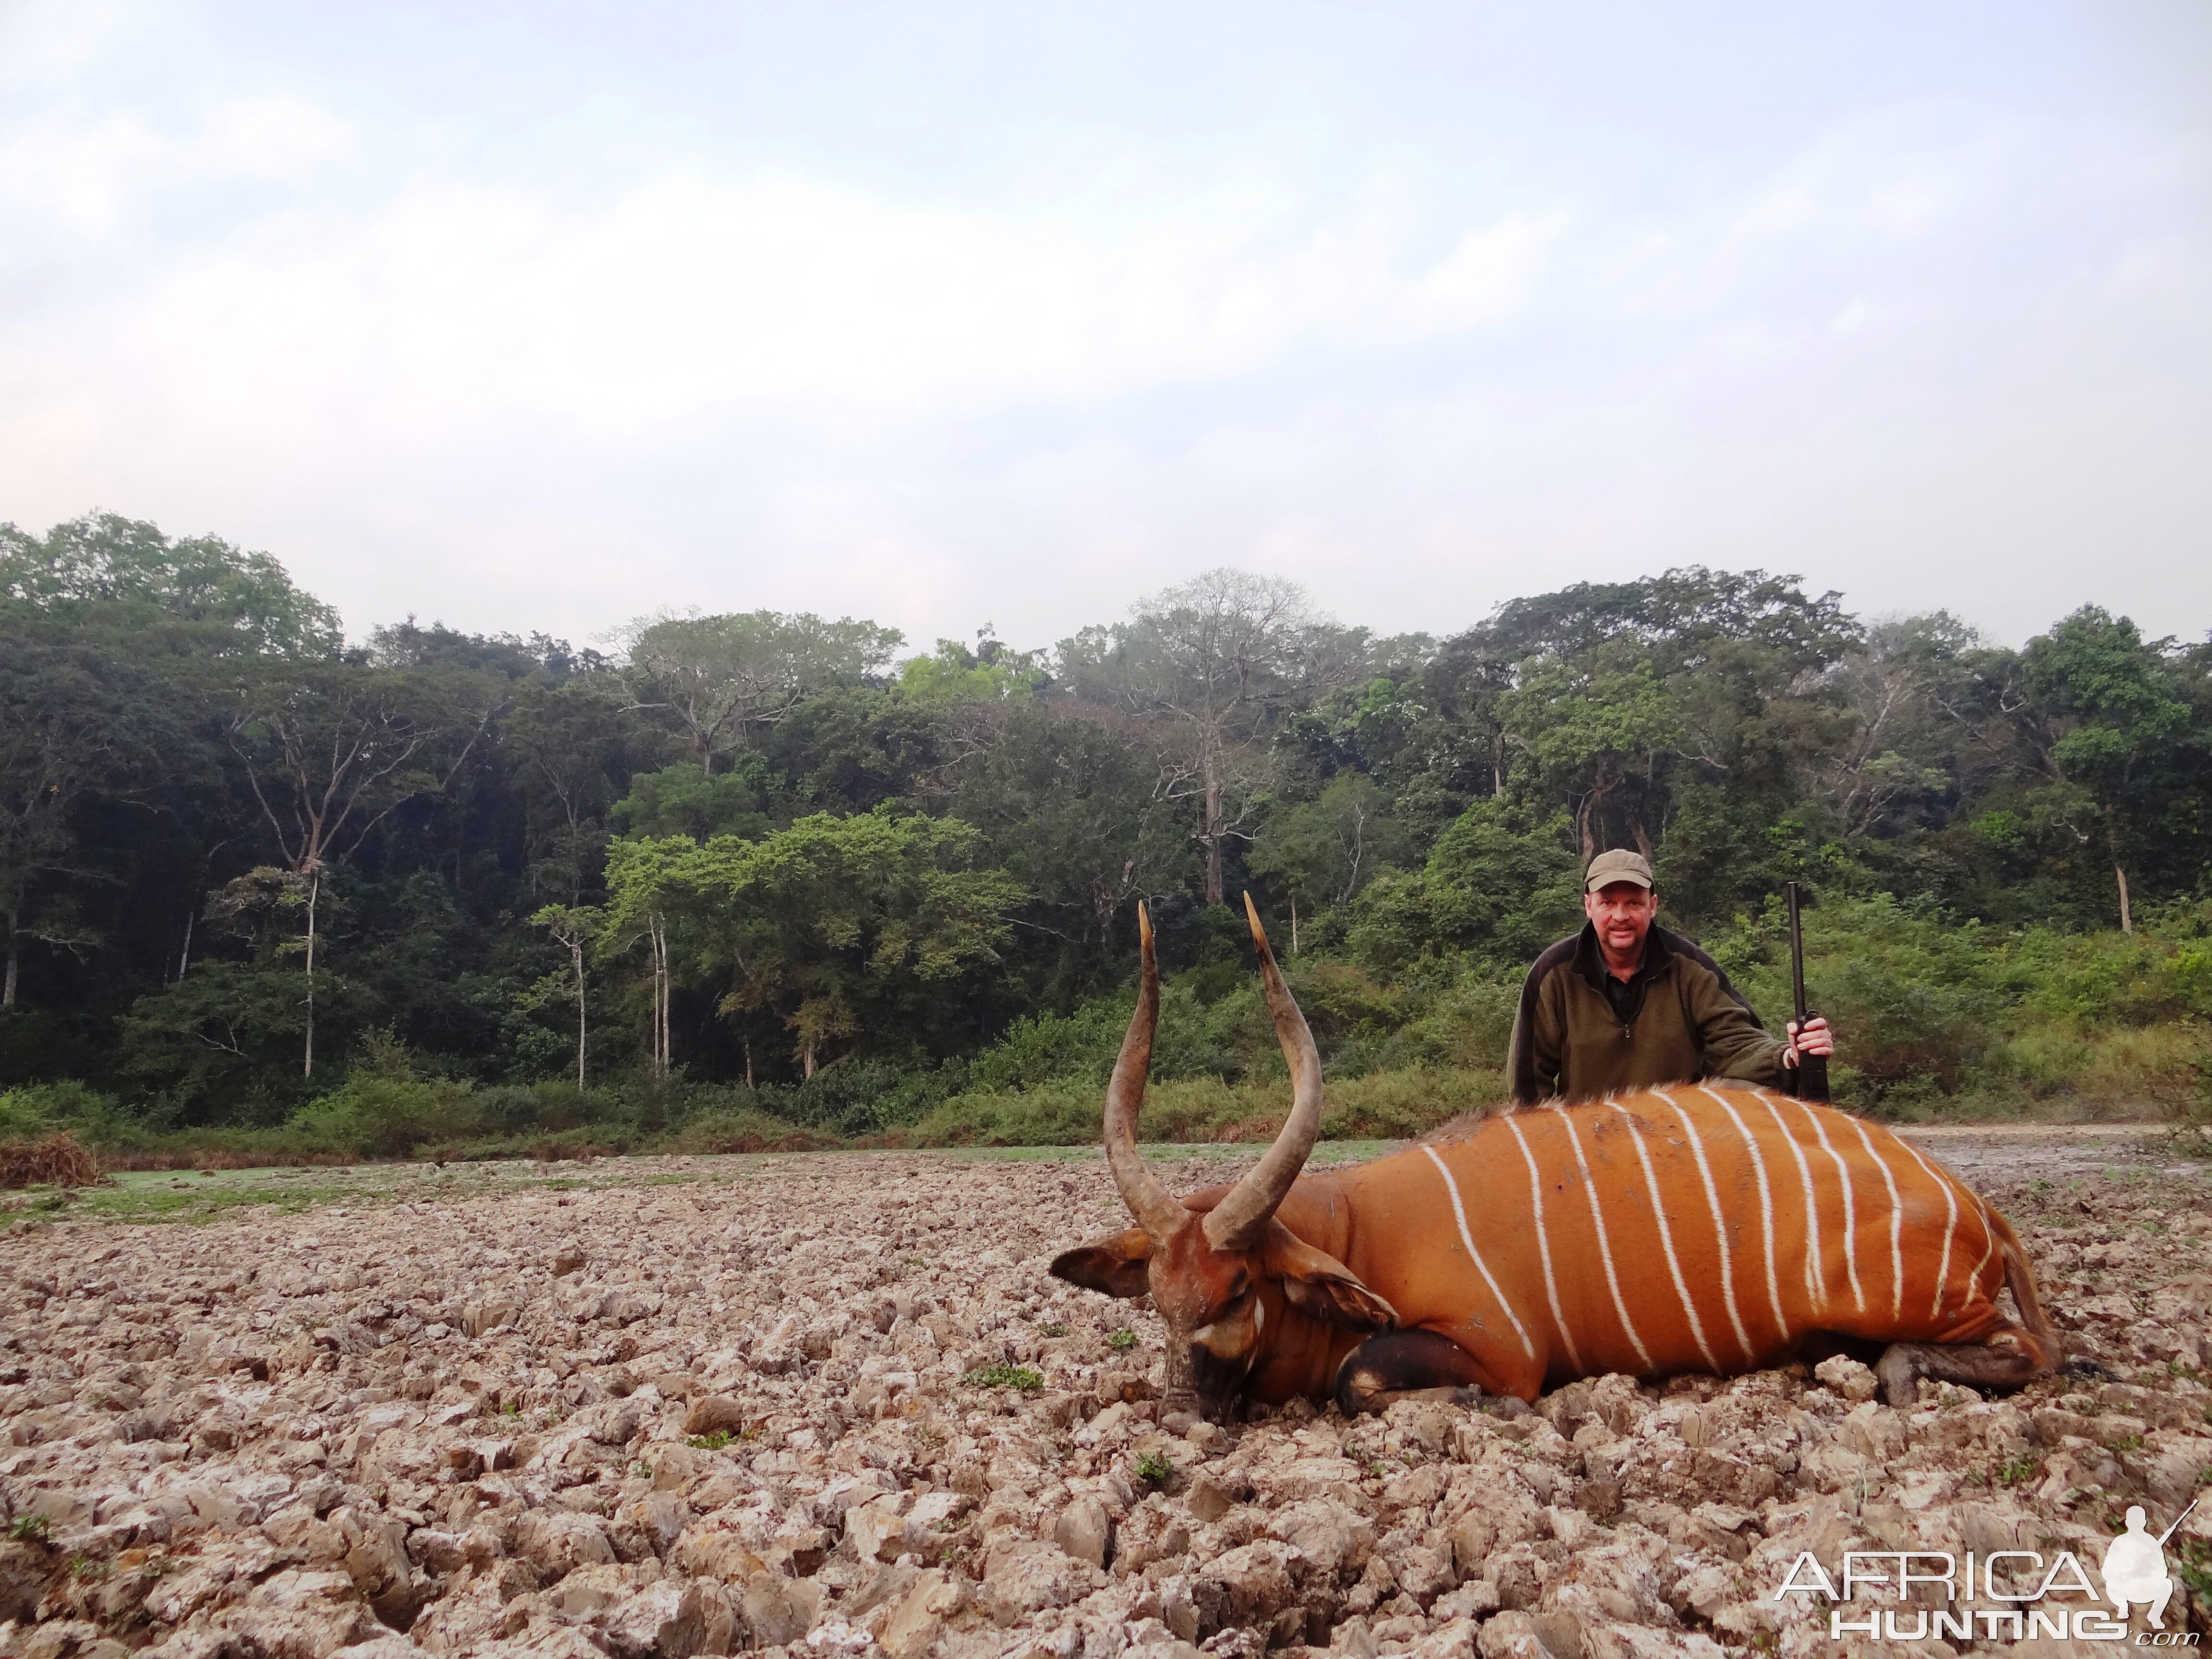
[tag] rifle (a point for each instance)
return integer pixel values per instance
(1812, 1069)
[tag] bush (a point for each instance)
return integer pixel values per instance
(1383, 1105)
(54, 1160)
(383, 1117)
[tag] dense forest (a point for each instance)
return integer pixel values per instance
(433, 888)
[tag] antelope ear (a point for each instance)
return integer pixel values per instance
(1319, 1284)
(1113, 1266)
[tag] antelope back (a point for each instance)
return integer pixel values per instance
(1691, 1228)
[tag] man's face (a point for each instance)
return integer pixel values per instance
(1621, 912)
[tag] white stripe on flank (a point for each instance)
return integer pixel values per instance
(1816, 1271)
(1989, 1248)
(1850, 1206)
(1544, 1241)
(1667, 1238)
(1604, 1247)
(1896, 1225)
(1766, 1212)
(1720, 1225)
(1459, 1211)
(1950, 1225)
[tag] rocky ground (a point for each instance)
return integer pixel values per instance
(719, 1404)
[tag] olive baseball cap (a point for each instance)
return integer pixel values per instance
(1619, 865)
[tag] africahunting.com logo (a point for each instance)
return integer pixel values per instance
(1998, 1596)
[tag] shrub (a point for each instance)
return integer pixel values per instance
(383, 1110)
(54, 1160)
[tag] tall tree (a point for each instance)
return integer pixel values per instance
(567, 748)
(73, 724)
(829, 926)
(330, 751)
(1208, 662)
(573, 928)
(109, 577)
(721, 677)
(2116, 721)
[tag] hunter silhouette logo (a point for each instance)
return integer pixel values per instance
(2134, 1567)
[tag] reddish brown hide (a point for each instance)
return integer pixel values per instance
(1694, 1228)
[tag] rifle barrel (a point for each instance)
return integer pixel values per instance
(1812, 1069)
(1797, 952)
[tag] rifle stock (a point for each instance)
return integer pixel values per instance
(1812, 1069)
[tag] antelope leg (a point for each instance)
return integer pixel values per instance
(2005, 1361)
(1406, 1365)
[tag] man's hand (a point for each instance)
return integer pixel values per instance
(1815, 1039)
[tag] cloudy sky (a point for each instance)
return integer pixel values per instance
(535, 316)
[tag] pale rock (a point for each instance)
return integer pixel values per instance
(1847, 1376)
(299, 1615)
(588, 1592)
(1498, 1517)
(714, 1413)
(773, 1611)
(1354, 1639)
(930, 1525)
(24, 1570)
(877, 1529)
(659, 1516)
(1085, 1531)
(297, 1532)
(558, 1541)
(1512, 1635)
(1425, 1574)
(1456, 1639)
(1335, 1541)
(1705, 1589)
(1641, 1641)
(1208, 1499)
(917, 1622)
(1475, 1599)
(1025, 1577)
(668, 1619)
(1256, 1577)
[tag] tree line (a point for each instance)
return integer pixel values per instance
(238, 853)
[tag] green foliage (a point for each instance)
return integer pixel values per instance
(383, 1109)
(954, 675)
(1500, 883)
(1005, 1377)
(1324, 851)
(720, 679)
(32, 1529)
(841, 903)
(683, 800)
(824, 926)
(1122, 1341)
(117, 577)
(1153, 1469)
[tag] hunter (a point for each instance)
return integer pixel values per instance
(1624, 1004)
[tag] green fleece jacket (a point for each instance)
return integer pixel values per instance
(1678, 1020)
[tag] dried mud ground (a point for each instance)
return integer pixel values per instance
(716, 1405)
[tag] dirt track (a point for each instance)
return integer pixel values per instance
(699, 1405)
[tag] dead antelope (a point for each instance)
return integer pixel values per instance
(1685, 1228)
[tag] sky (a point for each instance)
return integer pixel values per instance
(543, 317)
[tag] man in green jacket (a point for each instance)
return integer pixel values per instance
(1626, 1004)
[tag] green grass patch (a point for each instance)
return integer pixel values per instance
(1005, 1377)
